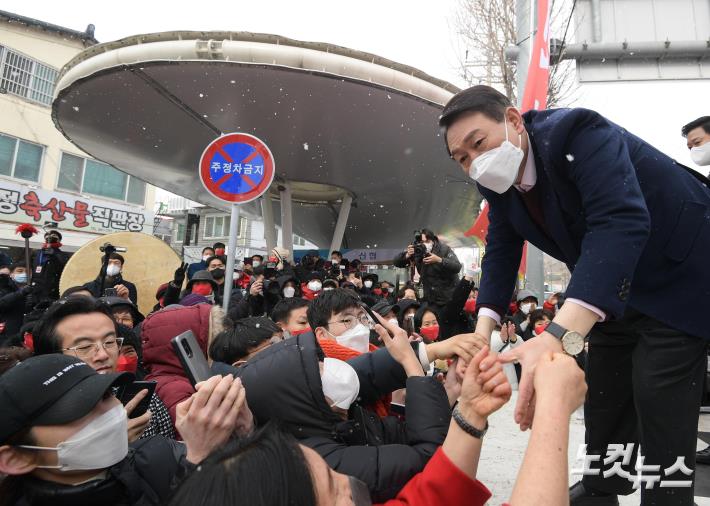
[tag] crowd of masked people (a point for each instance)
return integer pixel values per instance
(327, 386)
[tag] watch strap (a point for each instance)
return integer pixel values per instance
(556, 330)
(467, 427)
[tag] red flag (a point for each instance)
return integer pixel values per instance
(534, 97)
(480, 226)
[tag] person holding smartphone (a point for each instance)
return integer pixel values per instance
(84, 328)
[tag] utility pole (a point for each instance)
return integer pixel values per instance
(525, 14)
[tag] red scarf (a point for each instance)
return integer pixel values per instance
(332, 349)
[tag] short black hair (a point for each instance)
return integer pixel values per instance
(74, 289)
(283, 308)
(234, 342)
(481, 98)
(208, 248)
(44, 333)
(117, 256)
(430, 234)
(260, 257)
(336, 252)
(218, 245)
(216, 257)
(18, 265)
(702, 122)
(268, 467)
(328, 303)
(537, 316)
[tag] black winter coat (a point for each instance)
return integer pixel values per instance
(151, 471)
(12, 309)
(46, 282)
(283, 382)
(95, 287)
(438, 280)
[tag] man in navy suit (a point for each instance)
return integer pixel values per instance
(633, 226)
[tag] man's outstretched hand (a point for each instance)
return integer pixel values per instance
(528, 354)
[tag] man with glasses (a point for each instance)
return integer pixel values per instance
(84, 328)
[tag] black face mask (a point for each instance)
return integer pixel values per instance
(217, 273)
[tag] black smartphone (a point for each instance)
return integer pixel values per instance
(191, 357)
(129, 391)
(370, 315)
(408, 325)
(110, 292)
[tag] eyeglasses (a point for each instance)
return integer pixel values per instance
(351, 321)
(89, 350)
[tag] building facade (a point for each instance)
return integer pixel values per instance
(188, 227)
(44, 179)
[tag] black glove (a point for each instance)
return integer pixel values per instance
(180, 274)
(27, 289)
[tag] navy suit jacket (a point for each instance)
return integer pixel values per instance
(632, 225)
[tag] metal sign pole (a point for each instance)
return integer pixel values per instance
(231, 252)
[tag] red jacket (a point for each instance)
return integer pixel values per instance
(441, 482)
(160, 360)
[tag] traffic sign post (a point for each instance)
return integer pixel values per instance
(236, 168)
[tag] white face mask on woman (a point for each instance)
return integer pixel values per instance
(99, 444)
(289, 292)
(496, 169)
(315, 286)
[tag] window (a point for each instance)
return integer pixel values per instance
(214, 226)
(180, 232)
(20, 159)
(298, 241)
(83, 175)
(26, 77)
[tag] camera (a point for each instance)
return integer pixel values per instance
(419, 249)
(110, 248)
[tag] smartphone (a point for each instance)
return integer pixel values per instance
(110, 292)
(408, 325)
(191, 357)
(129, 391)
(370, 315)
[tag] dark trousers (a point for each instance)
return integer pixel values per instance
(644, 386)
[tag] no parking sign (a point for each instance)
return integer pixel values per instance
(237, 168)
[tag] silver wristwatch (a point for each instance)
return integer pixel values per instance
(572, 342)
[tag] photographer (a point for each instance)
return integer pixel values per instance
(437, 264)
(47, 267)
(114, 280)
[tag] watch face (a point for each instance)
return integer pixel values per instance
(573, 343)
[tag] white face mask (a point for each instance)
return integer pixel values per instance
(315, 286)
(701, 154)
(101, 443)
(113, 270)
(394, 321)
(334, 261)
(205, 257)
(497, 168)
(368, 284)
(255, 263)
(340, 382)
(328, 288)
(525, 308)
(236, 276)
(357, 338)
(289, 292)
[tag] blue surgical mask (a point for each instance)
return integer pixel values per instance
(20, 278)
